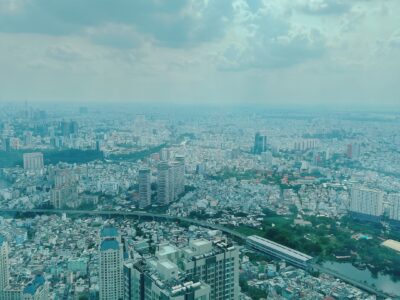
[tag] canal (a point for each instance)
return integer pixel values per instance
(382, 282)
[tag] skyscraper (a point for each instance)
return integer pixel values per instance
(144, 188)
(111, 264)
(33, 161)
(4, 264)
(179, 175)
(163, 183)
(260, 143)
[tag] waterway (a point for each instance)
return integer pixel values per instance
(382, 282)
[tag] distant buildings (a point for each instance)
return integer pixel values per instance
(366, 203)
(111, 264)
(65, 192)
(33, 161)
(144, 188)
(260, 143)
(170, 180)
(394, 210)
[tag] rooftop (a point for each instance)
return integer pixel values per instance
(281, 248)
(392, 244)
(109, 245)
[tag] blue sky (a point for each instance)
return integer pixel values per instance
(323, 52)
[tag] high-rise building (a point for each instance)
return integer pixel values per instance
(163, 183)
(65, 191)
(161, 279)
(394, 200)
(217, 265)
(165, 154)
(366, 202)
(144, 188)
(33, 161)
(179, 175)
(172, 175)
(111, 264)
(4, 264)
(260, 143)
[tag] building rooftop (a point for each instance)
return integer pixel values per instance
(278, 247)
(109, 245)
(392, 244)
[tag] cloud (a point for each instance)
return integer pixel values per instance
(394, 40)
(324, 7)
(170, 23)
(272, 42)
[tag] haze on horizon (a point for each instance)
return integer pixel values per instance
(286, 52)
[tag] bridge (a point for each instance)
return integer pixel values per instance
(243, 238)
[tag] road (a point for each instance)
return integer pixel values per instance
(111, 213)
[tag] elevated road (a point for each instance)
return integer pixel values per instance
(115, 213)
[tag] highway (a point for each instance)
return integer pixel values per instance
(115, 213)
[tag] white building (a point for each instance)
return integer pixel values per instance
(4, 264)
(33, 161)
(111, 265)
(366, 201)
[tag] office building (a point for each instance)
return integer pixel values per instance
(366, 203)
(279, 251)
(394, 212)
(144, 188)
(163, 183)
(111, 264)
(33, 161)
(260, 143)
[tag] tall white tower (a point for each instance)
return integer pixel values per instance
(111, 265)
(4, 264)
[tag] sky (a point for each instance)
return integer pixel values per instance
(270, 52)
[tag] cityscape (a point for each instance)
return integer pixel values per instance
(199, 150)
(109, 204)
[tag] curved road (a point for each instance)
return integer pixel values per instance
(111, 213)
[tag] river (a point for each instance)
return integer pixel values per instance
(382, 282)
